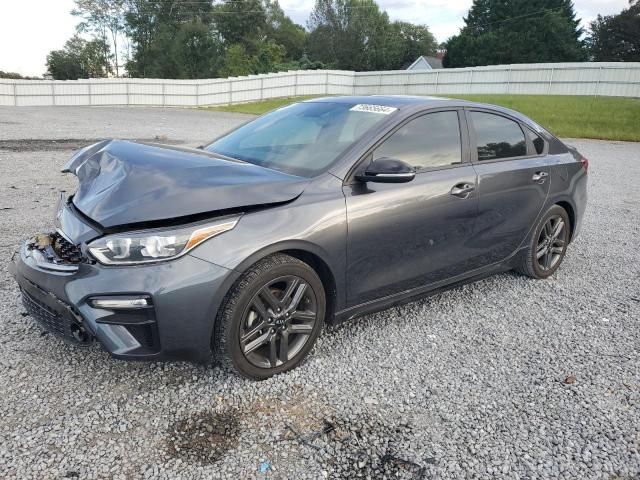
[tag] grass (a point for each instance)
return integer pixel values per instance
(258, 108)
(605, 118)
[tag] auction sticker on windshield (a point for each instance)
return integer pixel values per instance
(363, 107)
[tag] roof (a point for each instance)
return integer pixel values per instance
(424, 62)
(397, 101)
(408, 101)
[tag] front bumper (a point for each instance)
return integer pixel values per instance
(185, 295)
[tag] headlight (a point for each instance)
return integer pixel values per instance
(155, 245)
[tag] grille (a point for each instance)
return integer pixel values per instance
(66, 250)
(45, 316)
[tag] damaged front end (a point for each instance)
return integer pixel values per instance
(56, 252)
(119, 268)
(53, 315)
(125, 185)
(52, 253)
(61, 291)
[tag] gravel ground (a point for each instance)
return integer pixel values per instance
(506, 378)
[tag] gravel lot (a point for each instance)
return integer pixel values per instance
(505, 378)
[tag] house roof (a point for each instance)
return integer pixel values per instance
(433, 62)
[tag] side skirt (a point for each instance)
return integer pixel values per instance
(424, 291)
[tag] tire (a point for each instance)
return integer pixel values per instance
(546, 248)
(260, 313)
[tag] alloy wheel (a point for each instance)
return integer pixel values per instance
(551, 243)
(278, 322)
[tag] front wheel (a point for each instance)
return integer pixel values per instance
(548, 244)
(270, 318)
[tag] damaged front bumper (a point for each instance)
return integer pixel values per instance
(59, 290)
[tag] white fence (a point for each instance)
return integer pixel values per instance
(606, 79)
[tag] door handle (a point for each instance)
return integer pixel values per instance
(539, 177)
(462, 190)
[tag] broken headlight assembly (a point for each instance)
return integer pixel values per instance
(148, 246)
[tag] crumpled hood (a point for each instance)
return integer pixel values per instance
(123, 182)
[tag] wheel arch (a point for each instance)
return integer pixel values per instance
(572, 216)
(312, 255)
(326, 276)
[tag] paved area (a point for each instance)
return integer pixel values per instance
(506, 378)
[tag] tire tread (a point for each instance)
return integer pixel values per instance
(526, 266)
(224, 319)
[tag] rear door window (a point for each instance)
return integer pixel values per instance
(497, 137)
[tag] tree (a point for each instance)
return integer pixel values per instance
(519, 31)
(236, 62)
(16, 76)
(200, 38)
(347, 34)
(616, 38)
(140, 27)
(79, 59)
(91, 59)
(303, 63)
(258, 36)
(283, 31)
(195, 51)
(357, 35)
(406, 42)
(269, 55)
(102, 18)
(241, 23)
(165, 34)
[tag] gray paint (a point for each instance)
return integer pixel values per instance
(382, 243)
(126, 183)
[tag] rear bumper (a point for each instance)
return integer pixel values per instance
(580, 198)
(185, 295)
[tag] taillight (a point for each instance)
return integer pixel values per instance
(585, 163)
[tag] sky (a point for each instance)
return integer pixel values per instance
(29, 29)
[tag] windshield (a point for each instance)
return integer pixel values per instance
(301, 139)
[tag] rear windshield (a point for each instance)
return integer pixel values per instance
(301, 139)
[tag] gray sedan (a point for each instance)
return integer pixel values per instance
(316, 212)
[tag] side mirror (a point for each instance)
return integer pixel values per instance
(387, 170)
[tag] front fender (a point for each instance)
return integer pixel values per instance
(314, 223)
(287, 245)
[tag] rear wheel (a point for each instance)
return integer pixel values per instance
(271, 318)
(548, 244)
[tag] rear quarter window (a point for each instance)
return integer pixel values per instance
(538, 142)
(497, 137)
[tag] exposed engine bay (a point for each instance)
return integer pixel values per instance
(55, 248)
